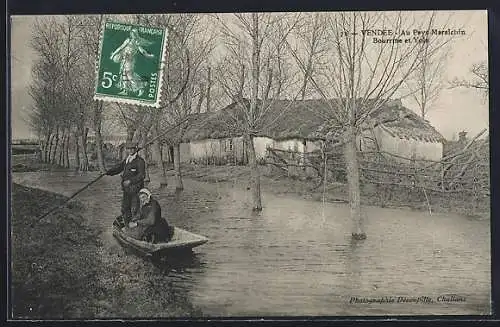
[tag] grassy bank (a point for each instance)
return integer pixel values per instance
(279, 183)
(63, 269)
(54, 271)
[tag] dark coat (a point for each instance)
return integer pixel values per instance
(152, 226)
(134, 171)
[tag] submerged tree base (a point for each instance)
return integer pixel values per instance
(359, 236)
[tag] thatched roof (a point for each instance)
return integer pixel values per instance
(402, 122)
(304, 119)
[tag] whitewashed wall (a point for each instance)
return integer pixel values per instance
(185, 150)
(432, 151)
(260, 145)
(204, 148)
(198, 150)
(312, 146)
(290, 145)
(408, 148)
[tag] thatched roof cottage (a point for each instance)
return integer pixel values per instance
(301, 126)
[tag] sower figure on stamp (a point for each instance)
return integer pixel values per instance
(126, 55)
(134, 172)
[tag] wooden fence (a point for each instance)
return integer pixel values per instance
(460, 179)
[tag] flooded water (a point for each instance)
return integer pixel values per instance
(297, 258)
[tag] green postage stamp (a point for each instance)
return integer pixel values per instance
(130, 67)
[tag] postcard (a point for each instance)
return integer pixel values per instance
(250, 165)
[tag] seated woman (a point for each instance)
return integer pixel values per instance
(148, 225)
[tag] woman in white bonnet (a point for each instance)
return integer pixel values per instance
(149, 225)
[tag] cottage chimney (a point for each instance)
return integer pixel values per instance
(462, 137)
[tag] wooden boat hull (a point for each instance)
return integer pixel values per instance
(182, 240)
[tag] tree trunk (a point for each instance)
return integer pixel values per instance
(255, 175)
(209, 86)
(200, 101)
(177, 167)
(77, 152)
(98, 136)
(352, 165)
(41, 142)
(62, 155)
(252, 159)
(55, 147)
(156, 153)
(60, 161)
(51, 146)
(147, 178)
(307, 73)
(164, 168)
(144, 153)
(62, 150)
(67, 149)
(100, 155)
(171, 154)
(85, 163)
(423, 111)
(156, 147)
(130, 134)
(158, 157)
(45, 147)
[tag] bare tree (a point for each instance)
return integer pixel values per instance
(190, 44)
(256, 54)
(45, 86)
(53, 88)
(45, 99)
(478, 79)
(362, 76)
(76, 77)
(426, 82)
(90, 36)
(312, 36)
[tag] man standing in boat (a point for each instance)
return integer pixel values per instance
(134, 172)
(148, 224)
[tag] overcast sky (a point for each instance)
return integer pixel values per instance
(455, 110)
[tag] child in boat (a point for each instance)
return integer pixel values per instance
(149, 225)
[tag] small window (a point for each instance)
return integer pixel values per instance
(228, 145)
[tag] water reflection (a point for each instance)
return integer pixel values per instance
(180, 262)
